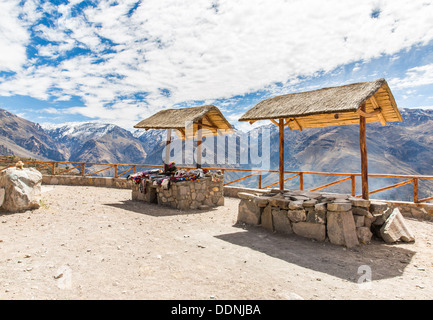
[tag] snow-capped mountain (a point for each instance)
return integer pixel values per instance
(97, 142)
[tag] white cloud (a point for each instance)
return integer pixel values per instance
(198, 52)
(13, 37)
(418, 76)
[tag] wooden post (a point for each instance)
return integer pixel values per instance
(281, 154)
(415, 190)
(260, 180)
(167, 147)
(363, 147)
(353, 185)
(199, 142)
(301, 181)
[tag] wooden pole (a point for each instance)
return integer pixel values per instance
(199, 142)
(363, 147)
(167, 147)
(281, 154)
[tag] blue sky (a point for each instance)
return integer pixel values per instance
(121, 61)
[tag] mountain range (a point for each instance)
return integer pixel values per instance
(398, 148)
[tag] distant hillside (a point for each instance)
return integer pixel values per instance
(27, 139)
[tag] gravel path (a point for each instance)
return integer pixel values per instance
(96, 243)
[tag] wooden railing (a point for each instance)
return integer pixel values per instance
(55, 168)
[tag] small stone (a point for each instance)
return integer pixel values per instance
(339, 206)
(359, 202)
(296, 205)
(360, 211)
(320, 207)
(377, 207)
(246, 196)
(310, 203)
(261, 201)
(297, 215)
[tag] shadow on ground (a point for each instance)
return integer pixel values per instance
(154, 210)
(384, 260)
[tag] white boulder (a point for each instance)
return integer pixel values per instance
(22, 189)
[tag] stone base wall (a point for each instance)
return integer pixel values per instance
(339, 219)
(201, 194)
(120, 183)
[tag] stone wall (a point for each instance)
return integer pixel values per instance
(337, 218)
(199, 194)
(121, 183)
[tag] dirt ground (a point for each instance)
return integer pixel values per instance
(96, 243)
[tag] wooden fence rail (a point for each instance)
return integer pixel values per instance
(81, 167)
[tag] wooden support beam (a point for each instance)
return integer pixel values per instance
(425, 200)
(281, 154)
(167, 147)
(274, 122)
(274, 184)
(331, 184)
(380, 114)
(369, 114)
(297, 125)
(199, 143)
(214, 127)
(67, 170)
(363, 149)
(89, 174)
(240, 179)
(391, 186)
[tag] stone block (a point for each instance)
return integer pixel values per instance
(220, 201)
(297, 215)
(339, 206)
(359, 211)
(359, 221)
(273, 200)
(359, 202)
(281, 221)
(341, 228)
(380, 218)
(309, 203)
(395, 229)
(281, 203)
(364, 235)
(316, 216)
(320, 207)
(2, 196)
(310, 230)
(296, 205)
(266, 218)
(378, 207)
(246, 196)
(368, 220)
(248, 212)
(261, 201)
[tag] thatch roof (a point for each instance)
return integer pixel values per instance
(329, 106)
(212, 120)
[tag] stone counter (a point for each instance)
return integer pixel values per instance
(199, 194)
(337, 218)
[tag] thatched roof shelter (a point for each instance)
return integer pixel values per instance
(329, 106)
(191, 122)
(357, 103)
(209, 117)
